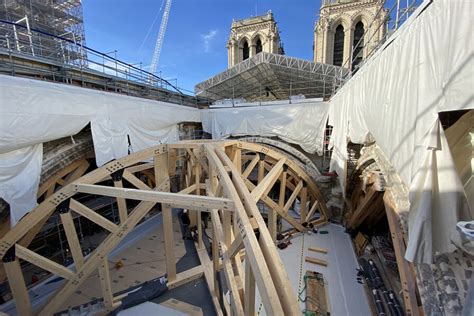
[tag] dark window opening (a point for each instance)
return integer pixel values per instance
(258, 47)
(357, 54)
(338, 46)
(246, 51)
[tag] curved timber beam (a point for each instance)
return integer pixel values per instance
(226, 179)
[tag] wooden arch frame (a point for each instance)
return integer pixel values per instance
(214, 183)
(392, 194)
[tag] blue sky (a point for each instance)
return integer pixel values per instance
(194, 46)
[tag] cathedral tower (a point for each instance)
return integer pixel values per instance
(251, 36)
(344, 23)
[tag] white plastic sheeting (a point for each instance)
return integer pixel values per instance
(19, 178)
(302, 123)
(425, 68)
(33, 112)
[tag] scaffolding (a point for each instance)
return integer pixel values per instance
(268, 77)
(56, 19)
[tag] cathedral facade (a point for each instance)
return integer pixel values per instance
(348, 30)
(251, 36)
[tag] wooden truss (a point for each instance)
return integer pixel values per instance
(225, 179)
(372, 198)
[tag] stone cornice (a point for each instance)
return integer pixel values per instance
(352, 6)
(255, 27)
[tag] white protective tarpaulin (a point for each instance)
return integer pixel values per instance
(20, 172)
(33, 112)
(302, 123)
(425, 68)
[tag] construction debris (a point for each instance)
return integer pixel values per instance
(316, 261)
(317, 249)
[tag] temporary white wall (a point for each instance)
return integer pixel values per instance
(302, 122)
(33, 112)
(424, 69)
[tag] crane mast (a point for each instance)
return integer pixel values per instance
(161, 36)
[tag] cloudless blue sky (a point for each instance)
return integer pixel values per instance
(122, 25)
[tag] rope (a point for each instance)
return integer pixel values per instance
(301, 268)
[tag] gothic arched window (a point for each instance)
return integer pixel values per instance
(258, 46)
(245, 51)
(338, 52)
(357, 52)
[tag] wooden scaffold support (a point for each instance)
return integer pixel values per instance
(225, 179)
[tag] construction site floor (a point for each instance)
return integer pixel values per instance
(345, 295)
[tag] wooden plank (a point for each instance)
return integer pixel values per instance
(238, 159)
(79, 172)
(140, 167)
(211, 187)
(316, 261)
(249, 300)
(211, 279)
(293, 196)
(18, 287)
(175, 199)
(266, 287)
(29, 226)
(169, 242)
(135, 181)
(316, 294)
(360, 242)
(104, 278)
(250, 167)
(121, 203)
(270, 203)
(312, 210)
(83, 210)
(96, 256)
(237, 263)
(280, 280)
(303, 201)
(266, 184)
(318, 249)
(215, 263)
(197, 171)
(261, 170)
(236, 303)
(236, 246)
(293, 166)
(362, 208)
(185, 277)
(42, 262)
(72, 239)
(43, 188)
(272, 223)
(183, 307)
(406, 273)
(161, 169)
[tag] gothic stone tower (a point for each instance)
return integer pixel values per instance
(251, 36)
(342, 24)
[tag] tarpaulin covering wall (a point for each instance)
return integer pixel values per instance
(20, 172)
(302, 123)
(33, 112)
(425, 68)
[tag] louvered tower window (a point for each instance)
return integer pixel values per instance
(357, 54)
(338, 46)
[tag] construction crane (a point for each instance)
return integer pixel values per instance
(161, 36)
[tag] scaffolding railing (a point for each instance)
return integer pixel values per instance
(21, 39)
(390, 19)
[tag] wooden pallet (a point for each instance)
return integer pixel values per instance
(316, 294)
